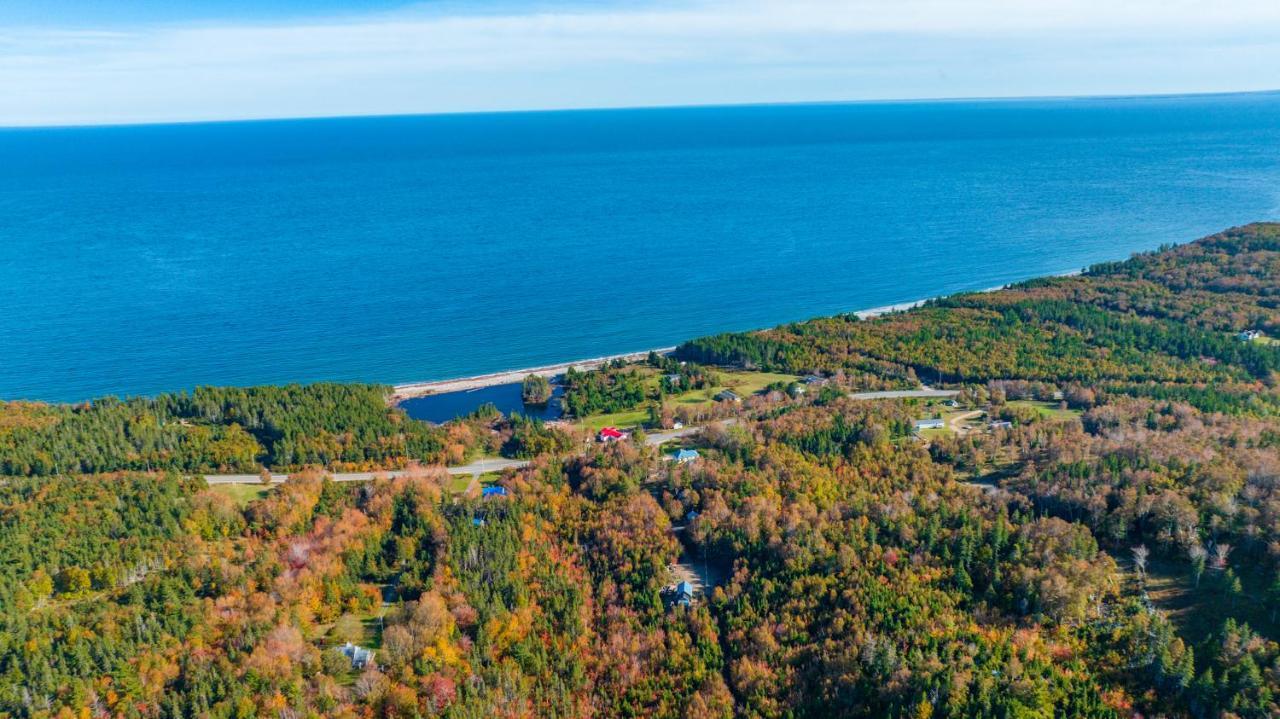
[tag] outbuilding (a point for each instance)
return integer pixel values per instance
(684, 593)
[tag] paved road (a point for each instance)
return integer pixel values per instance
(905, 393)
(480, 466)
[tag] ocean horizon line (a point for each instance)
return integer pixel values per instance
(267, 119)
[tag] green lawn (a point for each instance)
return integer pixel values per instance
(1265, 340)
(458, 483)
(242, 494)
(1048, 410)
(744, 383)
(629, 418)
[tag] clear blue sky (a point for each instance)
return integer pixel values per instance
(87, 62)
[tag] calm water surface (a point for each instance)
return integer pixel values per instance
(505, 397)
(152, 258)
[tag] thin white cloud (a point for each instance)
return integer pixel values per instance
(713, 51)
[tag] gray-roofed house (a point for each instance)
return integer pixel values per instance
(359, 656)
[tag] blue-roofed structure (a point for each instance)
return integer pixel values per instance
(686, 455)
(494, 491)
(684, 593)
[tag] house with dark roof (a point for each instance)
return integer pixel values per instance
(728, 395)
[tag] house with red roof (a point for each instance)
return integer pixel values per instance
(611, 434)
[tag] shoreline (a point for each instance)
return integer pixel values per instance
(412, 390)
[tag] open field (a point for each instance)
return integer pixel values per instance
(1198, 612)
(744, 383)
(630, 418)
(1049, 410)
(241, 494)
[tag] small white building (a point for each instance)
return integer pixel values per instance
(930, 424)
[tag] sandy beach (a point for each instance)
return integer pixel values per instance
(461, 384)
(410, 390)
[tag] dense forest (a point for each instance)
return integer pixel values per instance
(1095, 533)
(231, 429)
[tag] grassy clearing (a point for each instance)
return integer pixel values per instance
(743, 383)
(1198, 612)
(1048, 410)
(241, 494)
(630, 418)
(458, 483)
(1265, 340)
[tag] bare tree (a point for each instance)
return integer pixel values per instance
(1140, 554)
(1198, 556)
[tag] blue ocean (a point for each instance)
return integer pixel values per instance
(136, 260)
